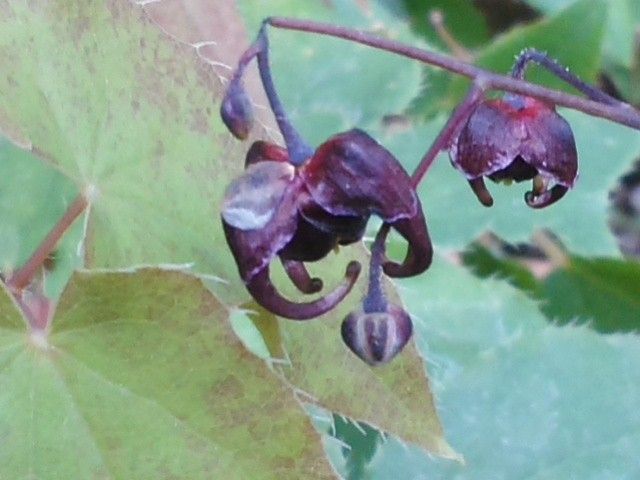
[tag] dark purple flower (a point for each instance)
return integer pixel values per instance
(302, 213)
(517, 138)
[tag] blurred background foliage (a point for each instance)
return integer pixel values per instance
(528, 321)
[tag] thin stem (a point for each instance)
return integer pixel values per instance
(359, 36)
(376, 301)
(23, 276)
(620, 113)
(532, 55)
(436, 18)
(298, 149)
(449, 131)
(248, 55)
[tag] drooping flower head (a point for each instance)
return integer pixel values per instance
(517, 138)
(301, 213)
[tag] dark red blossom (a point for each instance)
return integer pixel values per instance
(517, 138)
(301, 213)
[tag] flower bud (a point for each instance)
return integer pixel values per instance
(377, 337)
(236, 110)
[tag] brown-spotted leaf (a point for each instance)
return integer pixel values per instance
(142, 377)
(130, 114)
(120, 107)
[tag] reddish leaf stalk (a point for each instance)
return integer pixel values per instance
(23, 276)
(621, 113)
(449, 131)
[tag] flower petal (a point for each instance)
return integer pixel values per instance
(265, 294)
(346, 228)
(500, 133)
(551, 147)
(254, 249)
(309, 244)
(419, 251)
(488, 142)
(352, 174)
(251, 200)
(300, 277)
(545, 198)
(261, 151)
(480, 189)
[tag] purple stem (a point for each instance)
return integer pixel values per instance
(298, 149)
(246, 58)
(449, 131)
(376, 301)
(620, 112)
(532, 55)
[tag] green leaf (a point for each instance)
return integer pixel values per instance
(465, 23)
(395, 399)
(126, 112)
(485, 264)
(331, 85)
(582, 54)
(462, 19)
(605, 293)
(519, 399)
(602, 293)
(360, 444)
(625, 81)
(142, 377)
(550, 6)
(620, 62)
(605, 151)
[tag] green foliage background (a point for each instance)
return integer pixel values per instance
(157, 367)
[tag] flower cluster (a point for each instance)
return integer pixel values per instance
(298, 203)
(300, 214)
